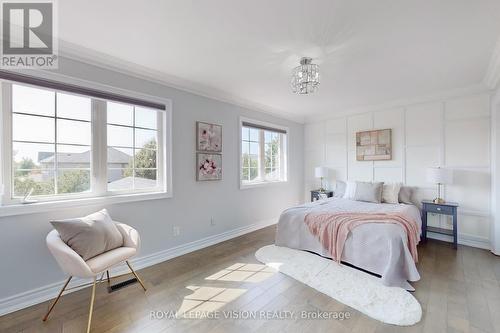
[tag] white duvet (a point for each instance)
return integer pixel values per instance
(380, 248)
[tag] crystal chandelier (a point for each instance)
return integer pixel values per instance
(305, 78)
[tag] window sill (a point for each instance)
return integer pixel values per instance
(47, 206)
(247, 186)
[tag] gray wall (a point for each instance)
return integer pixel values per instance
(26, 263)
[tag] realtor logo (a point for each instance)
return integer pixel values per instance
(28, 34)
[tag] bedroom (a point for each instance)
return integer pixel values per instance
(192, 129)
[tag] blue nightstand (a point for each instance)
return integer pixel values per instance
(448, 208)
(315, 194)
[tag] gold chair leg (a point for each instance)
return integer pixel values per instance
(109, 280)
(57, 299)
(91, 305)
(136, 276)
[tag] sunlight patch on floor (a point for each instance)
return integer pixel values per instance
(205, 300)
(208, 299)
(243, 273)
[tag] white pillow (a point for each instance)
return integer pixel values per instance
(405, 195)
(368, 192)
(340, 189)
(390, 192)
(350, 190)
(91, 235)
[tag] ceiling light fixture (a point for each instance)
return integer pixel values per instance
(305, 78)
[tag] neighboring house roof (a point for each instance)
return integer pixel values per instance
(126, 183)
(44, 154)
(115, 156)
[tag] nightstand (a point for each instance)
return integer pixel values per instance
(315, 194)
(448, 208)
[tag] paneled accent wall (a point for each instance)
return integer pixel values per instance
(452, 133)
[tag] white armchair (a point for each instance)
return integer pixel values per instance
(73, 264)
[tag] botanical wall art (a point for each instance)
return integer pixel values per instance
(373, 145)
(208, 137)
(208, 144)
(209, 166)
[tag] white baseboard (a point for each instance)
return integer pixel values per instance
(463, 239)
(42, 294)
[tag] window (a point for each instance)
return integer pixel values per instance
(132, 146)
(51, 145)
(250, 154)
(263, 153)
(60, 144)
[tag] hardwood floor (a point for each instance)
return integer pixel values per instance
(459, 292)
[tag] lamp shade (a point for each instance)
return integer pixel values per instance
(439, 176)
(321, 172)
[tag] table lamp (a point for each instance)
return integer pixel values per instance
(439, 176)
(321, 172)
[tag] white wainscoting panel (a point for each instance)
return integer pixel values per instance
(336, 150)
(473, 225)
(418, 158)
(386, 174)
(359, 170)
(336, 125)
(471, 188)
(357, 123)
(313, 133)
(393, 119)
(452, 133)
(468, 107)
(468, 142)
(424, 124)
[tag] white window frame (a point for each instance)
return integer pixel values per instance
(99, 193)
(283, 157)
(7, 198)
(159, 158)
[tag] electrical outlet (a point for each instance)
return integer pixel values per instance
(177, 231)
(212, 221)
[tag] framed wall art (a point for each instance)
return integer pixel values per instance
(208, 137)
(374, 145)
(209, 166)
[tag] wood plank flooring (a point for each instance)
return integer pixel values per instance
(459, 292)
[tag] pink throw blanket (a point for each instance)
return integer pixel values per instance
(332, 229)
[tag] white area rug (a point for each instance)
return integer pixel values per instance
(359, 290)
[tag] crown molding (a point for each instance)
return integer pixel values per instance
(475, 89)
(492, 76)
(87, 56)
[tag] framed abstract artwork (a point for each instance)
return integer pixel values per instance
(208, 137)
(374, 145)
(209, 166)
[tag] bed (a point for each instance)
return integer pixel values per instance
(379, 248)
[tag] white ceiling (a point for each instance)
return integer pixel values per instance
(370, 52)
